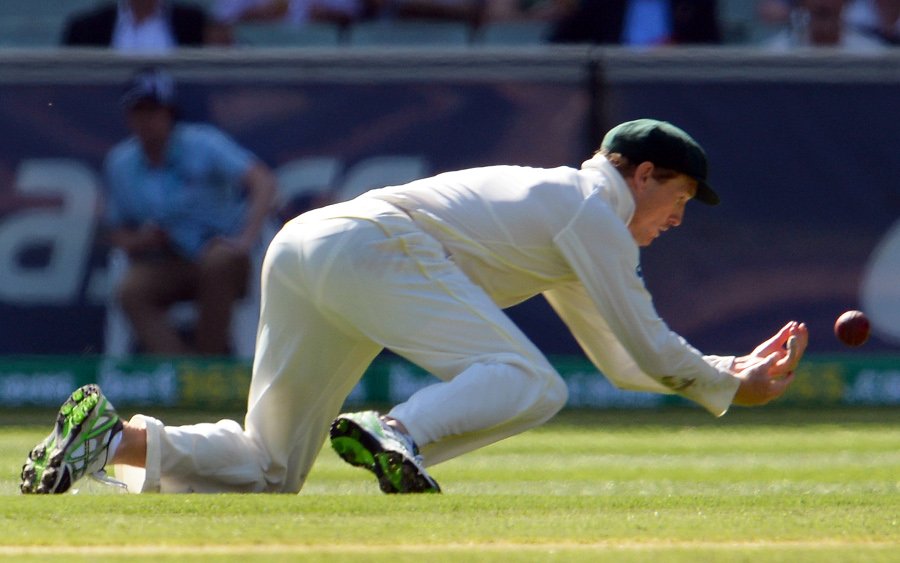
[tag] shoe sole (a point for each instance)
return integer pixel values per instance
(44, 471)
(395, 472)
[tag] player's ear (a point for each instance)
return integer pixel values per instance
(642, 174)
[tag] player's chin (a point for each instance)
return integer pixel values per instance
(648, 239)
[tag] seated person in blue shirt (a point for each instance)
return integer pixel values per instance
(187, 205)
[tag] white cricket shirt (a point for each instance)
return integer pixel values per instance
(518, 231)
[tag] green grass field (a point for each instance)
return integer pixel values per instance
(768, 484)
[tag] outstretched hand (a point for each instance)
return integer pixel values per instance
(767, 372)
(788, 345)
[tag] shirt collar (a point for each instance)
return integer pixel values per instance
(615, 190)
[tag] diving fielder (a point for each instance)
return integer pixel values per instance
(425, 270)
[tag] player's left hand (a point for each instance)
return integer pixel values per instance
(787, 345)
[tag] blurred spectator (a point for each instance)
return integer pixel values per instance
(187, 205)
(139, 26)
(640, 23)
(775, 12)
(879, 19)
(822, 23)
(471, 12)
(295, 12)
(511, 10)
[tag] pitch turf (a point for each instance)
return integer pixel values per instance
(757, 485)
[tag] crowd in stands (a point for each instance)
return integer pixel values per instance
(857, 25)
(154, 26)
(173, 255)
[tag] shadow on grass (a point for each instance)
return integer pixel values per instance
(687, 416)
(772, 415)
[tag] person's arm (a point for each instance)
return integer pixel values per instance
(124, 228)
(242, 167)
(754, 379)
(683, 371)
(260, 184)
(614, 320)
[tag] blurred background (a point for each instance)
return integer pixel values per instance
(796, 103)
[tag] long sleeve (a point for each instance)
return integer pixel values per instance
(611, 315)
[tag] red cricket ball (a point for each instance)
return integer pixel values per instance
(852, 328)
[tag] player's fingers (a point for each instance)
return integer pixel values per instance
(791, 347)
(785, 332)
(796, 346)
(765, 365)
(802, 334)
(790, 360)
(777, 341)
(785, 361)
(796, 340)
(777, 387)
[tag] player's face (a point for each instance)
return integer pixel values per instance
(151, 122)
(659, 206)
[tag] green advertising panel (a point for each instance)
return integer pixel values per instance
(214, 384)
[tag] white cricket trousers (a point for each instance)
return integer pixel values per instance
(336, 290)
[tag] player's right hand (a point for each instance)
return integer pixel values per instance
(788, 344)
(758, 385)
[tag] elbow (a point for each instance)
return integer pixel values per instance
(263, 184)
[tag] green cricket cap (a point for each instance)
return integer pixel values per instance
(666, 146)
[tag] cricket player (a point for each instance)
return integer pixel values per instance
(425, 270)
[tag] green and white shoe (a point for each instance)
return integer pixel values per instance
(77, 446)
(363, 440)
